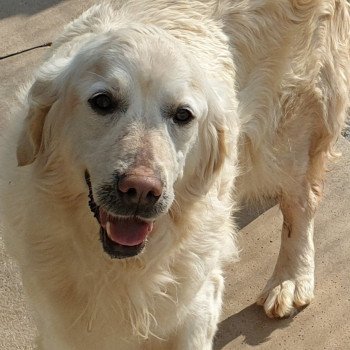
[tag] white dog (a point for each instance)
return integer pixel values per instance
(128, 145)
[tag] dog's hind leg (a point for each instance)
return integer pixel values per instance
(292, 283)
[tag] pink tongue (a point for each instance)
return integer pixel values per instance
(128, 232)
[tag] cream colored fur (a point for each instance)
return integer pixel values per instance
(269, 85)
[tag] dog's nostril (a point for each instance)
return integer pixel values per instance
(131, 192)
(151, 195)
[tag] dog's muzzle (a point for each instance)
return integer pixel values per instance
(126, 213)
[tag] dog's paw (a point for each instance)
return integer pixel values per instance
(281, 297)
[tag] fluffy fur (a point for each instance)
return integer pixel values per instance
(268, 84)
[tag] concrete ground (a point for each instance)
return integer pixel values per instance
(324, 324)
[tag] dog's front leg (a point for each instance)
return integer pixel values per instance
(199, 327)
(292, 283)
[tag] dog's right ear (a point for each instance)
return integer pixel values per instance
(42, 95)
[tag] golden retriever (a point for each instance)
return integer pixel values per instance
(147, 123)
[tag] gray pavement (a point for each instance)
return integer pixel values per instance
(324, 324)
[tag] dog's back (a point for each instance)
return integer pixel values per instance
(293, 72)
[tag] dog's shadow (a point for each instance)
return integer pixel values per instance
(251, 323)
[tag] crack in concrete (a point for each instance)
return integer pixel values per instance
(25, 50)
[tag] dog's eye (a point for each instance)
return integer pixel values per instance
(182, 116)
(103, 103)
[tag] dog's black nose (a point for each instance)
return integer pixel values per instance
(140, 189)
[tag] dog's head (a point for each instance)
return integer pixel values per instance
(134, 114)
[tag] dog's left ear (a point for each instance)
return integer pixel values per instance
(214, 149)
(41, 96)
(212, 153)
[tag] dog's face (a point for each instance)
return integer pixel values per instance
(132, 110)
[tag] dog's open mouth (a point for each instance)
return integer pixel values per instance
(129, 231)
(123, 237)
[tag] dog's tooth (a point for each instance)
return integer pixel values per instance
(108, 228)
